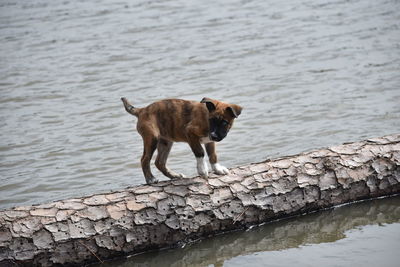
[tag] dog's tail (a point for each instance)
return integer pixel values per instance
(129, 108)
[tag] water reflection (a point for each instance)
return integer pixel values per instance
(321, 227)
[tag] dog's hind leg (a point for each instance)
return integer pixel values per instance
(164, 147)
(149, 146)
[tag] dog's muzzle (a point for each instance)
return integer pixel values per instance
(215, 137)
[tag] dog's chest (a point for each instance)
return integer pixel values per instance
(205, 140)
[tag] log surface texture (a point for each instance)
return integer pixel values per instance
(103, 226)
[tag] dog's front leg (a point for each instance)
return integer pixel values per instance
(212, 156)
(198, 151)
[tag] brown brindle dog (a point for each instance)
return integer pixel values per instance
(176, 120)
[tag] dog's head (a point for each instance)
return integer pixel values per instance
(221, 116)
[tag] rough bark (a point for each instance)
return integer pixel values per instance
(141, 218)
(320, 227)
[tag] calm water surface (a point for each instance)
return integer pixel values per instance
(308, 73)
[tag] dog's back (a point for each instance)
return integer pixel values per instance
(171, 117)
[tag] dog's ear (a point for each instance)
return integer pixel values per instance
(209, 103)
(234, 110)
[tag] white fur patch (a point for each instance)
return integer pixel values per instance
(219, 169)
(202, 167)
(205, 140)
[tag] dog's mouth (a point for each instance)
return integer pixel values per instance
(214, 137)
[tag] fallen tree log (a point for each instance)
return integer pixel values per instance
(146, 217)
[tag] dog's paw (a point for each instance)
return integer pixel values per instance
(151, 180)
(175, 175)
(204, 175)
(219, 169)
(202, 168)
(203, 172)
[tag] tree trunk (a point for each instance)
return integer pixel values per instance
(141, 218)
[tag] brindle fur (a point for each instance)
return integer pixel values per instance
(176, 120)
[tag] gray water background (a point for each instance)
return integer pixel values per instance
(308, 73)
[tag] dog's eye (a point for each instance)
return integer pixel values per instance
(224, 122)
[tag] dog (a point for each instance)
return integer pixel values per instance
(175, 120)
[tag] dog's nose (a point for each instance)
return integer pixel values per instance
(213, 136)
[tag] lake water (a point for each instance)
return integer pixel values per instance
(308, 73)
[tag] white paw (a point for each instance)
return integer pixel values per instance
(219, 169)
(175, 175)
(202, 168)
